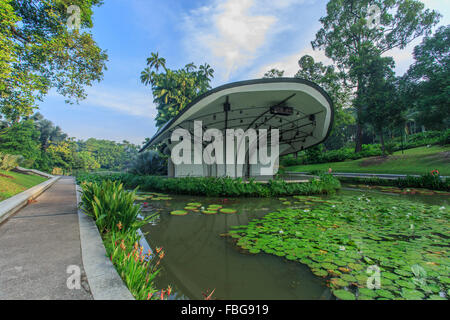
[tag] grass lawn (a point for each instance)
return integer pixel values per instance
(412, 161)
(12, 183)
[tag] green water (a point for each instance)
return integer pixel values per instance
(198, 258)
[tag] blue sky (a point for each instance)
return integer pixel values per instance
(240, 39)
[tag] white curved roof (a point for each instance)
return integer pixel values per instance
(250, 107)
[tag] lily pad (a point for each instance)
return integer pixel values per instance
(179, 213)
(228, 210)
(194, 204)
(344, 295)
(209, 212)
(410, 294)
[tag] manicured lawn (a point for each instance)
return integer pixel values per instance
(12, 183)
(413, 161)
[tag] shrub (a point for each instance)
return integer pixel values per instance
(109, 204)
(430, 180)
(57, 171)
(9, 161)
(149, 163)
(223, 186)
(117, 218)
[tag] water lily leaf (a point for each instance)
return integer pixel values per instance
(227, 210)
(179, 213)
(410, 294)
(344, 295)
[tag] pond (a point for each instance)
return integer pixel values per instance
(200, 256)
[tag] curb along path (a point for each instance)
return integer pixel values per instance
(39, 243)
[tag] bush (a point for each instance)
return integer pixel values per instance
(444, 139)
(149, 163)
(9, 161)
(116, 217)
(430, 181)
(209, 186)
(110, 205)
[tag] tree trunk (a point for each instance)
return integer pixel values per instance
(358, 146)
(382, 143)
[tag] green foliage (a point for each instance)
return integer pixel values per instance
(116, 216)
(8, 161)
(331, 81)
(21, 138)
(274, 73)
(110, 154)
(429, 80)
(380, 106)
(109, 204)
(149, 163)
(173, 90)
(39, 53)
(348, 41)
(218, 186)
(340, 238)
(427, 181)
(318, 155)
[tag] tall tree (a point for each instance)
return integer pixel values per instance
(331, 81)
(348, 35)
(40, 52)
(21, 138)
(382, 109)
(429, 79)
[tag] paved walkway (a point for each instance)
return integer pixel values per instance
(38, 244)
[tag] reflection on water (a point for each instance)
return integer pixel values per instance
(198, 258)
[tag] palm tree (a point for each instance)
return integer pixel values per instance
(190, 67)
(156, 62)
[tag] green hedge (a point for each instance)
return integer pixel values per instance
(218, 186)
(426, 181)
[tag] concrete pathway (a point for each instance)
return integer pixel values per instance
(39, 243)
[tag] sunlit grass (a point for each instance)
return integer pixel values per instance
(412, 161)
(12, 183)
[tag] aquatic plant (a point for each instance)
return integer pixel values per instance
(341, 240)
(228, 210)
(179, 213)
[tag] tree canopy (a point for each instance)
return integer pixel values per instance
(39, 52)
(173, 90)
(429, 80)
(350, 40)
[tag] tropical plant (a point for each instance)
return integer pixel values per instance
(149, 163)
(174, 89)
(109, 204)
(218, 186)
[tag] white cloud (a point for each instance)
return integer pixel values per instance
(125, 101)
(231, 34)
